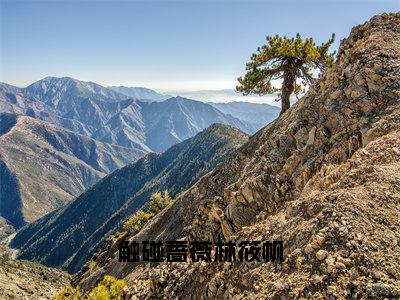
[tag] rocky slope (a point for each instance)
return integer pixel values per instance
(24, 280)
(67, 238)
(323, 178)
(43, 167)
(108, 116)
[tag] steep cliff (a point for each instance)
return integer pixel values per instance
(323, 178)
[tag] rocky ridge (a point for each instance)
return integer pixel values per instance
(323, 177)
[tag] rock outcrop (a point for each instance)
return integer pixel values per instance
(323, 178)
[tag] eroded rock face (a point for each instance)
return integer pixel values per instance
(323, 177)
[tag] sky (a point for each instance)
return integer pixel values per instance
(165, 45)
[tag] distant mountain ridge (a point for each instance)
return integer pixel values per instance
(68, 237)
(180, 118)
(108, 116)
(254, 113)
(140, 93)
(56, 90)
(225, 95)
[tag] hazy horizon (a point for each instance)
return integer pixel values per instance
(216, 95)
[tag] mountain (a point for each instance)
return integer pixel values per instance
(176, 119)
(58, 92)
(82, 107)
(140, 93)
(108, 116)
(256, 114)
(323, 178)
(70, 236)
(43, 167)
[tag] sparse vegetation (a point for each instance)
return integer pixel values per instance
(91, 264)
(158, 201)
(110, 288)
(136, 221)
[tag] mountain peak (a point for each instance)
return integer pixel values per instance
(49, 81)
(55, 89)
(221, 128)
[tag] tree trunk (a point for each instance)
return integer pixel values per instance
(289, 79)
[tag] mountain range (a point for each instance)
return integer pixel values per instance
(322, 178)
(225, 96)
(109, 116)
(256, 114)
(230, 102)
(68, 237)
(59, 136)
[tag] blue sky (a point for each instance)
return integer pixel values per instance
(167, 45)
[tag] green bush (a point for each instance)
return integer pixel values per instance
(136, 221)
(158, 201)
(110, 288)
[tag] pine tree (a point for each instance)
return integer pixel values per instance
(290, 59)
